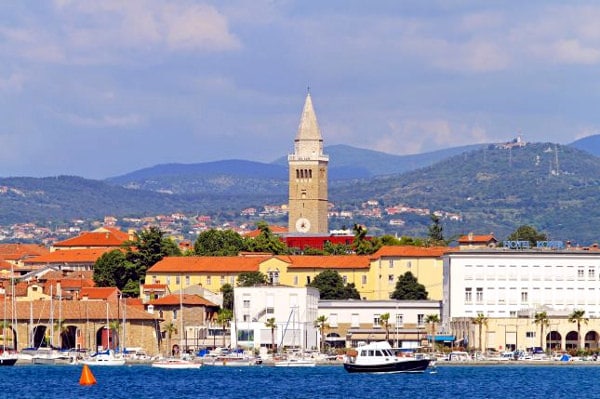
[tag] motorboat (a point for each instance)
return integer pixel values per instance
(107, 358)
(295, 362)
(176, 363)
(378, 357)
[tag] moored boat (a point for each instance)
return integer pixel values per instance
(378, 357)
(176, 363)
(107, 358)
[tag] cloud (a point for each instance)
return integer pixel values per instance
(104, 121)
(13, 83)
(414, 136)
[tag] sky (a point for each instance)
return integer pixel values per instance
(102, 88)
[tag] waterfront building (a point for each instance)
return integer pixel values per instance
(293, 309)
(509, 286)
(352, 322)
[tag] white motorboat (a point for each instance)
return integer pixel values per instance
(295, 362)
(378, 357)
(176, 363)
(108, 358)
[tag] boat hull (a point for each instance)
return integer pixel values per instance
(408, 366)
(8, 361)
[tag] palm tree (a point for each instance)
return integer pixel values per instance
(321, 323)
(114, 327)
(542, 319)
(385, 320)
(224, 316)
(480, 321)
(432, 320)
(170, 329)
(577, 317)
(272, 325)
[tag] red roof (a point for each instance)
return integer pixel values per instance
(20, 251)
(99, 292)
(103, 237)
(470, 238)
(274, 229)
(203, 264)
(185, 299)
(410, 251)
(327, 262)
(70, 256)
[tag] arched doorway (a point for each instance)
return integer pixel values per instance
(333, 340)
(106, 339)
(68, 337)
(572, 340)
(8, 338)
(41, 337)
(591, 340)
(553, 340)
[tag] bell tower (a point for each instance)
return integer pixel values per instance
(307, 200)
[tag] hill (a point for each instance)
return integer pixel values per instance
(496, 189)
(589, 144)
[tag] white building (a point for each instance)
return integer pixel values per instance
(352, 321)
(509, 286)
(294, 310)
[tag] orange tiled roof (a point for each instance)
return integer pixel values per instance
(185, 299)
(203, 264)
(4, 265)
(21, 251)
(158, 287)
(94, 311)
(480, 238)
(70, 256)
(103, 237)
(277, 230)
(327, 262)
(98, 292)
(77, 274)
(67, 284)
(411, 251)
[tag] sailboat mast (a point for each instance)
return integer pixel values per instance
(181, 330)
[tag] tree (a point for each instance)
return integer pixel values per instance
(250, 279)
(224, 316)
(385, 320)
(147, 248)
(432, 320)
(436, 231)
(578, 316)
(527, 233)
(480, 321)
(272, 325)
(170, 329)
(321, 323)
(331, 286)
(227, 291)
(218, 243)
(360, 244)
(408, 288)
(112, 270)
(266, 241)
(336, 249)
(542, 320)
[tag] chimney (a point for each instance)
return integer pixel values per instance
(470, 236)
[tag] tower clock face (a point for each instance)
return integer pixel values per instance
(303, 225)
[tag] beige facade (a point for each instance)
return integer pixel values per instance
(308, 175)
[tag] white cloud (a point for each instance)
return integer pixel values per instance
(121, 121)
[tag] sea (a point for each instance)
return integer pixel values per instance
(321, 382)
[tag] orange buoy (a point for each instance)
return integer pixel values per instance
(87, 378)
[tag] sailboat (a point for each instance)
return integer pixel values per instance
(107, 357)
(8, 359)
(295, 361)
(181, 362)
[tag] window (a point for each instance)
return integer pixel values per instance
(187, 280)
(468, 294)
(391, 279)
(273, 276)
(524, 297)
(270, 309)
(345, 279)
(246, 318)
(168, 280)
(354, 320)
(400, 320)
(479, 294)
(222, 280)
(246, 303)
(580, 272)
(295, 280)
(307, 280)
(178, 280)
(591, 273)
(174, 314)
(376, 320)
(364, 279)
(420, 320)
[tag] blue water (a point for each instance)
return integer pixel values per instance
(505, 382)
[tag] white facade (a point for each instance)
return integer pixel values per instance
(294, 310)
(352, 321)
(505, 283)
